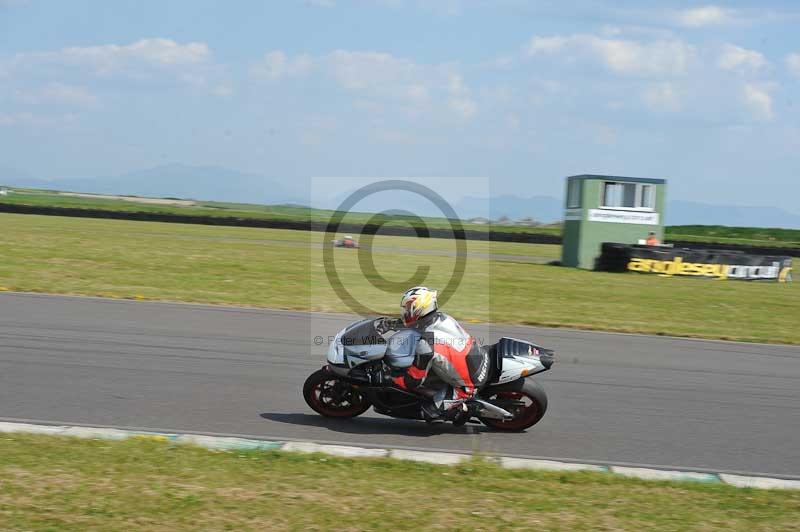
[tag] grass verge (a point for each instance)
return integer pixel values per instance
(284, 269)
(58, 483)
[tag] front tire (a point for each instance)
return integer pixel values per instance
(524, 398)
(330, 396)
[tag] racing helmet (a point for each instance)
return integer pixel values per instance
(416, 303)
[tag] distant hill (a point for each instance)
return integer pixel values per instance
(19, 178)
(226, 185)
(544, 209)
(171, 180)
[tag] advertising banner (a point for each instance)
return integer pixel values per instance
(623, 217)
(715, 264)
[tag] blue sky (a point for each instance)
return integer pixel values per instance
(521, 92)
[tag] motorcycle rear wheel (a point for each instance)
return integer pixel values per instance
(330, 396)
(527, 414)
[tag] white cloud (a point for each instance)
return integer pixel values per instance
(460, 101)
(223, 91)
(758, 99)
(400, 78)
(25, 119)
(660, 57)
(155, 51)
(513, 121)
(392, 4)
(607, 136)
(418, 93)
(699, 17)
(326, 4)
(549, 44)
(351, 70)
(793, 63)
(438, 7)
(736, 58)
(398, 137)
(662, 97)
(463, 107)
(499, 63)
(455, 84)
(357, 70)
(377, 76)
(60, 94)
(498, 95)
(276, 65)
(131, 59)
(442, 7)
(12, 119)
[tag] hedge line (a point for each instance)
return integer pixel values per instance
(469, 234)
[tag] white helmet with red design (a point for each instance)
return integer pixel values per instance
(416, 303)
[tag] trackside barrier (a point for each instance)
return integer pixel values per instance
(708, 263)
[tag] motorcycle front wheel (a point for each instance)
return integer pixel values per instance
(523, 398)
(330, 396)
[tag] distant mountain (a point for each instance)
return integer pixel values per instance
(174, 180)
(19, 178)
(544, 209)
(223, 184)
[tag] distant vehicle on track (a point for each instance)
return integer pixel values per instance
(346, 242)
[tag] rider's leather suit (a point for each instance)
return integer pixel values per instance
(447, 350)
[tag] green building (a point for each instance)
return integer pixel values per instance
(604, 208)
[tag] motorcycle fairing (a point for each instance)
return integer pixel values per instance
(354, 345)
(517, 358)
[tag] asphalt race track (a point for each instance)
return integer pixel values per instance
(613, 398)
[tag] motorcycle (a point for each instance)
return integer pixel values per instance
(351, 382)
(347, 242)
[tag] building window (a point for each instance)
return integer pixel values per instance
(574, 194)
(648, 196)
(628, 196)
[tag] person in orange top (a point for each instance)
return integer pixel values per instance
(652, 240)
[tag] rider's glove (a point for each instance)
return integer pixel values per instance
(384, 324)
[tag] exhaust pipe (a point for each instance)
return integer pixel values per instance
(486, 409)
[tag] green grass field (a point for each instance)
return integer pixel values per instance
(284, 269)
(691, 233)
(57, 483)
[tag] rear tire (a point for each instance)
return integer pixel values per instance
(524, 390)
(330, 396)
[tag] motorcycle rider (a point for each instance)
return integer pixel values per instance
(444, 348)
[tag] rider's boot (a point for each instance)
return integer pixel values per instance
(437, 407)
(432, 405)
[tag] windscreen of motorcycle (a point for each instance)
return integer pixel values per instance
(402, 348)
(356, 343)
(336, 350)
